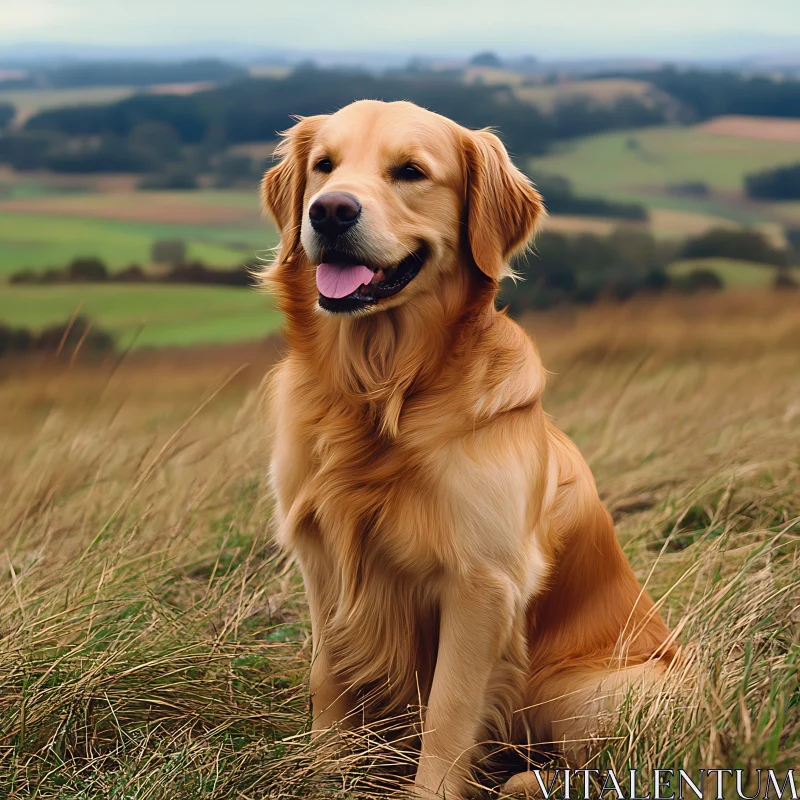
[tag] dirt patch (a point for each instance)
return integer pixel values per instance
(771, 128)
(566, 223)
(118, 182)
(603, 92)
(168, 208)
(181, 88)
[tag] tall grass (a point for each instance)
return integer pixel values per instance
(154, 645)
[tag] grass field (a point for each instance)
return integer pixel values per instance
(146, 316)
(43, 240)
(44, 222)
(663, 223)
(155, 647)
(641, 165)
(733, 273)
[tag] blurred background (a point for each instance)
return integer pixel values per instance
(159, 644)
(666, 142)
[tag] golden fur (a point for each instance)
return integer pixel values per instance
(451, 539)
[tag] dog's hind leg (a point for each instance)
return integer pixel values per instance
(574, 709)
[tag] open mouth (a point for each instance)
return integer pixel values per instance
(345, 285)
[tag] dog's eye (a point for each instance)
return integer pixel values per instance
(323, 165)
(409, 172)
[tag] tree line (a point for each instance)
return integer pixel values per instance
(703, 94)
(148, 133)
(780, 183)
(71, 336)
(563, 269)
(80, 74)
(558, 269)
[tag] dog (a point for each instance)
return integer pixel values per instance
(454, 549)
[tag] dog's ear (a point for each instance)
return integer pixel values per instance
(283, 186)
(503, 207)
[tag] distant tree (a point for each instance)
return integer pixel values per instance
(14, 339)
(198, 273)
(655, 279)
(689, 189)
(131, 274)
(560, 199)
(709, 93)
(168, 251)
(88, 269)
(176, 178)
(109, 154)
(157, 140)
(702, 279)
(23, 276)
(253, 110)
(580, 269)
(25, 150)
(7, 113)
(486, 59)
(743, 245)
(781, 183)
(235, 169)
(80, 331)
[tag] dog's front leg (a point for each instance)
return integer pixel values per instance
(331, 702)
(476, 621)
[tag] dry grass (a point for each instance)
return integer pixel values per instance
(772, 128)
(603, 92)
(154, 646)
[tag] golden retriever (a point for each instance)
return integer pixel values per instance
(451, 539)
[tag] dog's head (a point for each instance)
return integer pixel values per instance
(388, 200)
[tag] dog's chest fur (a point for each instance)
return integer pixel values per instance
(383, 521)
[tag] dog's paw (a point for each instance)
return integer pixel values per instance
(525, 784)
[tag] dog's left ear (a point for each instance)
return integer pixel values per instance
(283, 187)
(503, 207)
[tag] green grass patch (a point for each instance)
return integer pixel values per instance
(151, 315)
(39, 241)
(28, 186)
(639, 165)
(733, 273)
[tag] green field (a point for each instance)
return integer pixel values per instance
(39, 241)
(639, 165)
(146, 316)
(733, 273)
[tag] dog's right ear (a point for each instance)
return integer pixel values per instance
(283, 186)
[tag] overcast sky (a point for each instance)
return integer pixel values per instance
(546, 28)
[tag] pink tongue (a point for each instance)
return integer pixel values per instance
(340, 280)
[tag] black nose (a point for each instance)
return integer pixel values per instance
(333, 213)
